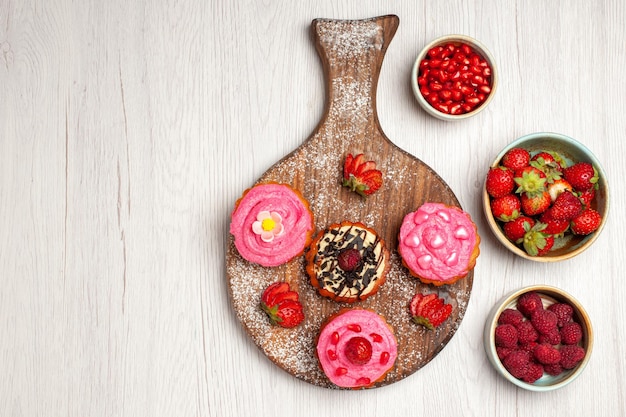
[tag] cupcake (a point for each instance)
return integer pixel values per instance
(271, 224)
(438, 244)
(347, 262)
(356, 348)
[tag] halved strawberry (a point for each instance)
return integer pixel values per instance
(429, 310)
(557, 186)
(281, 305)
(361, 176)
(272, 290)
(288, 313)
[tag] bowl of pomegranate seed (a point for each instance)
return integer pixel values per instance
(454, 77)
(546, 197)
(539, 338)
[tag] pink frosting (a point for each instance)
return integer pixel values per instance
(339, 331)
(436, 242)
(294, 218)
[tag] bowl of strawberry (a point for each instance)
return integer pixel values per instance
(454, 77)
(539, 338)
(546, 197)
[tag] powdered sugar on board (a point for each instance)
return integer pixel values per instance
(353, 51)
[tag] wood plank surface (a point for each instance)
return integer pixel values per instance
(128, 130)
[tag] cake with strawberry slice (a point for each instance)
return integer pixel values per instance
(347, 262)
(356, 348)
(438, 243)
(271, 224)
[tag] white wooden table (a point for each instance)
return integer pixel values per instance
(129, 128)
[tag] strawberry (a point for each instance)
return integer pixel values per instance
(499, 182)
(358, 350)
(553, 227)
(557, 186)
(534, 204)
(516, 158)
(516, 229)
(506, 208)
(429, 310)
(361, 176)
(282, 305)
(566, 206)
(530, 181)
(586, 197)
(271, 292)
(582, 175)
(588, 221)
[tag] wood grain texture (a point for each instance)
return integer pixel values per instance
(128, 130)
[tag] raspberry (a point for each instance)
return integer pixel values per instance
(571, 333)
(533, 373)
(349, 259)
(553, 370)
(503, 352)
(553, 337)
(544, 321)
(506, 336)
(546, 354)
(517, 363)
(563, 313)
(511, 316)
(529, 302)
(526, 332)
(528, 347)
(571, 355)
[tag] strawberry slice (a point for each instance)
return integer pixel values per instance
(271, 292)
(361, 176)
(429, 310)
(282, 296)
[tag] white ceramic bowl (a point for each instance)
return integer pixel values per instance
(572, 151)
(453, 39)
(549, 296)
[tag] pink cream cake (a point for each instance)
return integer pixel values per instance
(438, 243)
(272, 224)
(356, 348)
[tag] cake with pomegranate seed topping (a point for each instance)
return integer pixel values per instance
(356, 348)
(439, 244)
(347, 262)
(271, 224)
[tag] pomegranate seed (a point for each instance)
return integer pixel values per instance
(376, 337)
(332, 355)
(341, 371)
(354, 327)
(334, 338)
(384, 358)
(363, 381)
(454, 79)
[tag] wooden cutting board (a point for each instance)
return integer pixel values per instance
(351, 52)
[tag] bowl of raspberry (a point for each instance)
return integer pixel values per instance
(538, 337)
(454, 77)
(546, 197)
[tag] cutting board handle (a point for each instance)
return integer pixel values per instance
(352, 53)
